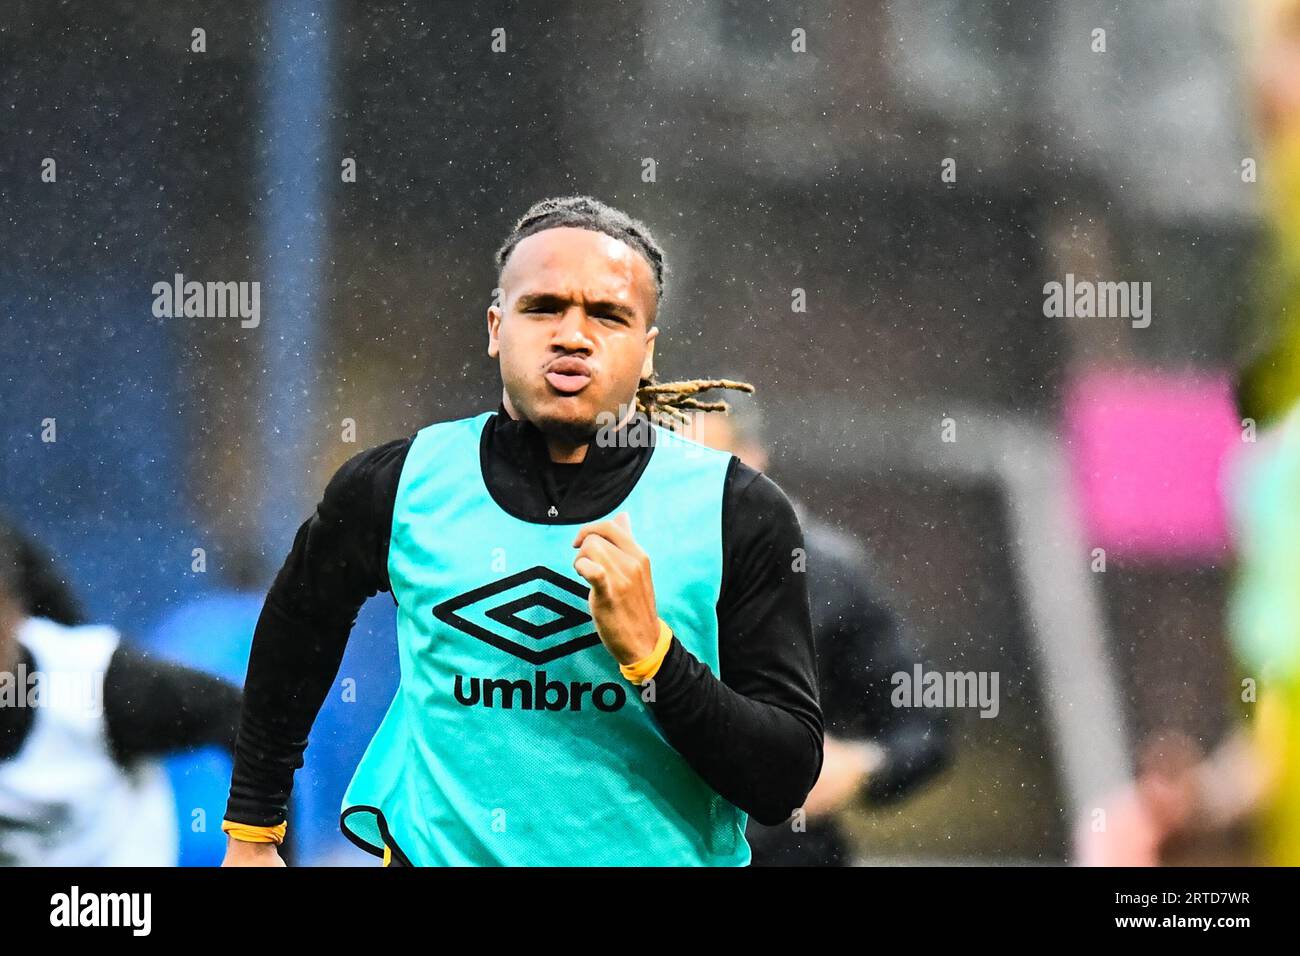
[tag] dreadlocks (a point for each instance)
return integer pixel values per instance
(662, 402)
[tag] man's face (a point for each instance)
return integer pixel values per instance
(575, 330)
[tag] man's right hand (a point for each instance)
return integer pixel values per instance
(243, 853)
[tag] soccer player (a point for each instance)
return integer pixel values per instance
(876, 754)
(83, 718)
(606, 649)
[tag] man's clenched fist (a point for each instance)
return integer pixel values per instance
(622, 594)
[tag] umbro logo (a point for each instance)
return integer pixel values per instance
(536, 615)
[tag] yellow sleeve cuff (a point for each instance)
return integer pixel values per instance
(647, 667)
(251, 834)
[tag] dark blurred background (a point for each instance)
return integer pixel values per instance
(775, 170)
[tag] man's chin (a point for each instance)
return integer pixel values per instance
(572, 426)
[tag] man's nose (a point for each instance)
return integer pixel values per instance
(571, 333)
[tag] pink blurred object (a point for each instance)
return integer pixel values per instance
(1122, 834)
(1148, 450)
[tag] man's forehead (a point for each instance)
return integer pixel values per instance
(563, 254)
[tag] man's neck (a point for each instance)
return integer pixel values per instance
(566, 454)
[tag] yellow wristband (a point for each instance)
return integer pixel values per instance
(251, 834)
(647, 667)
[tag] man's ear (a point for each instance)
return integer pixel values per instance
(494, 327)
(648, 366)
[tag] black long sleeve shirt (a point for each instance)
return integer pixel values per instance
(753, 732)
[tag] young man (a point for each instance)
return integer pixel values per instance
(606, 652)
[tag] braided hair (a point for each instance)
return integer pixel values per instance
(664, 403)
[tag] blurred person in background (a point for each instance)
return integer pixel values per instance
(83, 717)
(875, 753)
(1251, 780)
(1265, 612)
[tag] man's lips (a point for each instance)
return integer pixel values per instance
(568, 375)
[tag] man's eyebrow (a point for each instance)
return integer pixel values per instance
(540, 298)
(552, 298)
(617, 308)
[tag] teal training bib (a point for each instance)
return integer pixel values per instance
(513, 739)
